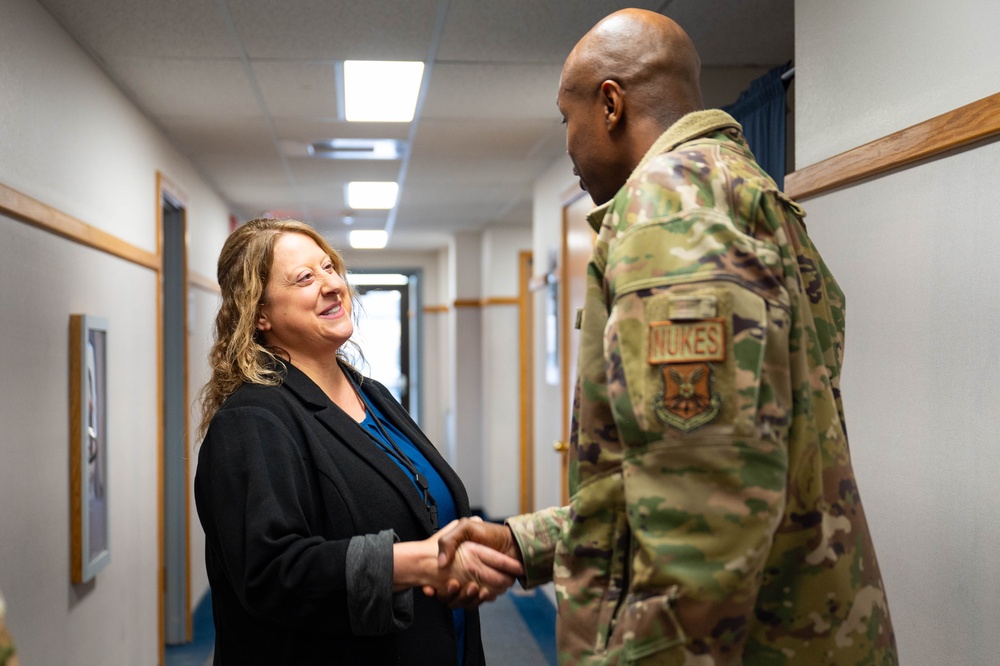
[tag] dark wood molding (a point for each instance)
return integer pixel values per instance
(962, 127)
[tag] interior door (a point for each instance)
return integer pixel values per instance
(384, 336)
(577, 246)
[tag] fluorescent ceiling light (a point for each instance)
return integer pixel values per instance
(377, 279)
(369, 195)
(368, 239)
(381, 90)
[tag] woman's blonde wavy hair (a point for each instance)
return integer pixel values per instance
(239, 355)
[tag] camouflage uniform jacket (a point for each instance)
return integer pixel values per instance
(7, 650)
(714, 517)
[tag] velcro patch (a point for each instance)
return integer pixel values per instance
(687, 342)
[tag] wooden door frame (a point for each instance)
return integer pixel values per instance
(526, 363)
(569, 198)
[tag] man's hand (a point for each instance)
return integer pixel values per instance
(497, 537)
(477, 574)
(453, 540)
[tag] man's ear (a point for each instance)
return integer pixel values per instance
(613, 98)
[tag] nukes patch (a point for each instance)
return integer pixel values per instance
(686, 350)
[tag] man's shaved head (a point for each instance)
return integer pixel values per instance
(649, 55)
(626, 81)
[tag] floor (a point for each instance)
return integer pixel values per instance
(518, 630)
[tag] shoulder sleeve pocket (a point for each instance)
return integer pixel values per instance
(706, 358)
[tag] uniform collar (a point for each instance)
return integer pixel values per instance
(688, 127)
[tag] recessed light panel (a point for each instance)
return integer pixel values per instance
(368, 239)
(363, 195)
(381, 90)
(377, 279)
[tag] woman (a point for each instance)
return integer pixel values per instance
(319, 496)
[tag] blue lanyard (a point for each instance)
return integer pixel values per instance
(390, 447)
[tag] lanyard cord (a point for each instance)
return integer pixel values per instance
(394, 451)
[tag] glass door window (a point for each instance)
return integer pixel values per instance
(383, 334)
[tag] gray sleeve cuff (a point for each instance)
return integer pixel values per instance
(373, 607)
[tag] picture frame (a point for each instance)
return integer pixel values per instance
(89, 538)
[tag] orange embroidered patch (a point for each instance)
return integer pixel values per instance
(687, 342)
(686, 350)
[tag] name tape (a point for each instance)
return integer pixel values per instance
(687, 342)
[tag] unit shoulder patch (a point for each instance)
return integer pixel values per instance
(686, 350)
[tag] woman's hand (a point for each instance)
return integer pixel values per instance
(475, 574)
(463, 551)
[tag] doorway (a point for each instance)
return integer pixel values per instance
(577, 246)
(388, 332)
(175, 555)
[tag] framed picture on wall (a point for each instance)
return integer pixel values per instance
(88, 415)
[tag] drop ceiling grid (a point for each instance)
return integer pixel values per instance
(489, 125)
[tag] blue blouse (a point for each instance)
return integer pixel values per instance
(439, 491)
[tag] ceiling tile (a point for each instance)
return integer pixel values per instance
(760, 33)
(240, 137)
(522, 30)
(486, 139)
(489, 90)
(177, 29)
(336, 29)
(208, 88)
(296, 89)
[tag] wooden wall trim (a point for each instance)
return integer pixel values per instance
(485, 302)
(501, 300)
(31, 211)
(203, 282)
(961, 127)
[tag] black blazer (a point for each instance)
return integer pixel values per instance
(285, 478)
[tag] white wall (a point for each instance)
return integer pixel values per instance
(500, 377)
(464, 279)
(915, 251)
(867, 69)
(71, 140)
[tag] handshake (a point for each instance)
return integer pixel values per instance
(476, 562)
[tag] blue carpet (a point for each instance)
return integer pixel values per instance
(539, 614)
(199, 651)
(519, 629)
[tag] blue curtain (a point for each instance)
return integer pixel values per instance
(760, 109)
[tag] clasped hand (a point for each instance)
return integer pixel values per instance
(477, 562)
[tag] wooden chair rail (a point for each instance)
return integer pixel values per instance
(22, 207)
(961, 127)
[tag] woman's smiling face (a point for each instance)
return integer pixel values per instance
(307, 305)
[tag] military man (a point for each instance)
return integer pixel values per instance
(714, 516)
(8, 653)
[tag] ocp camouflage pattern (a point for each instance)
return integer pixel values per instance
(734, 534)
